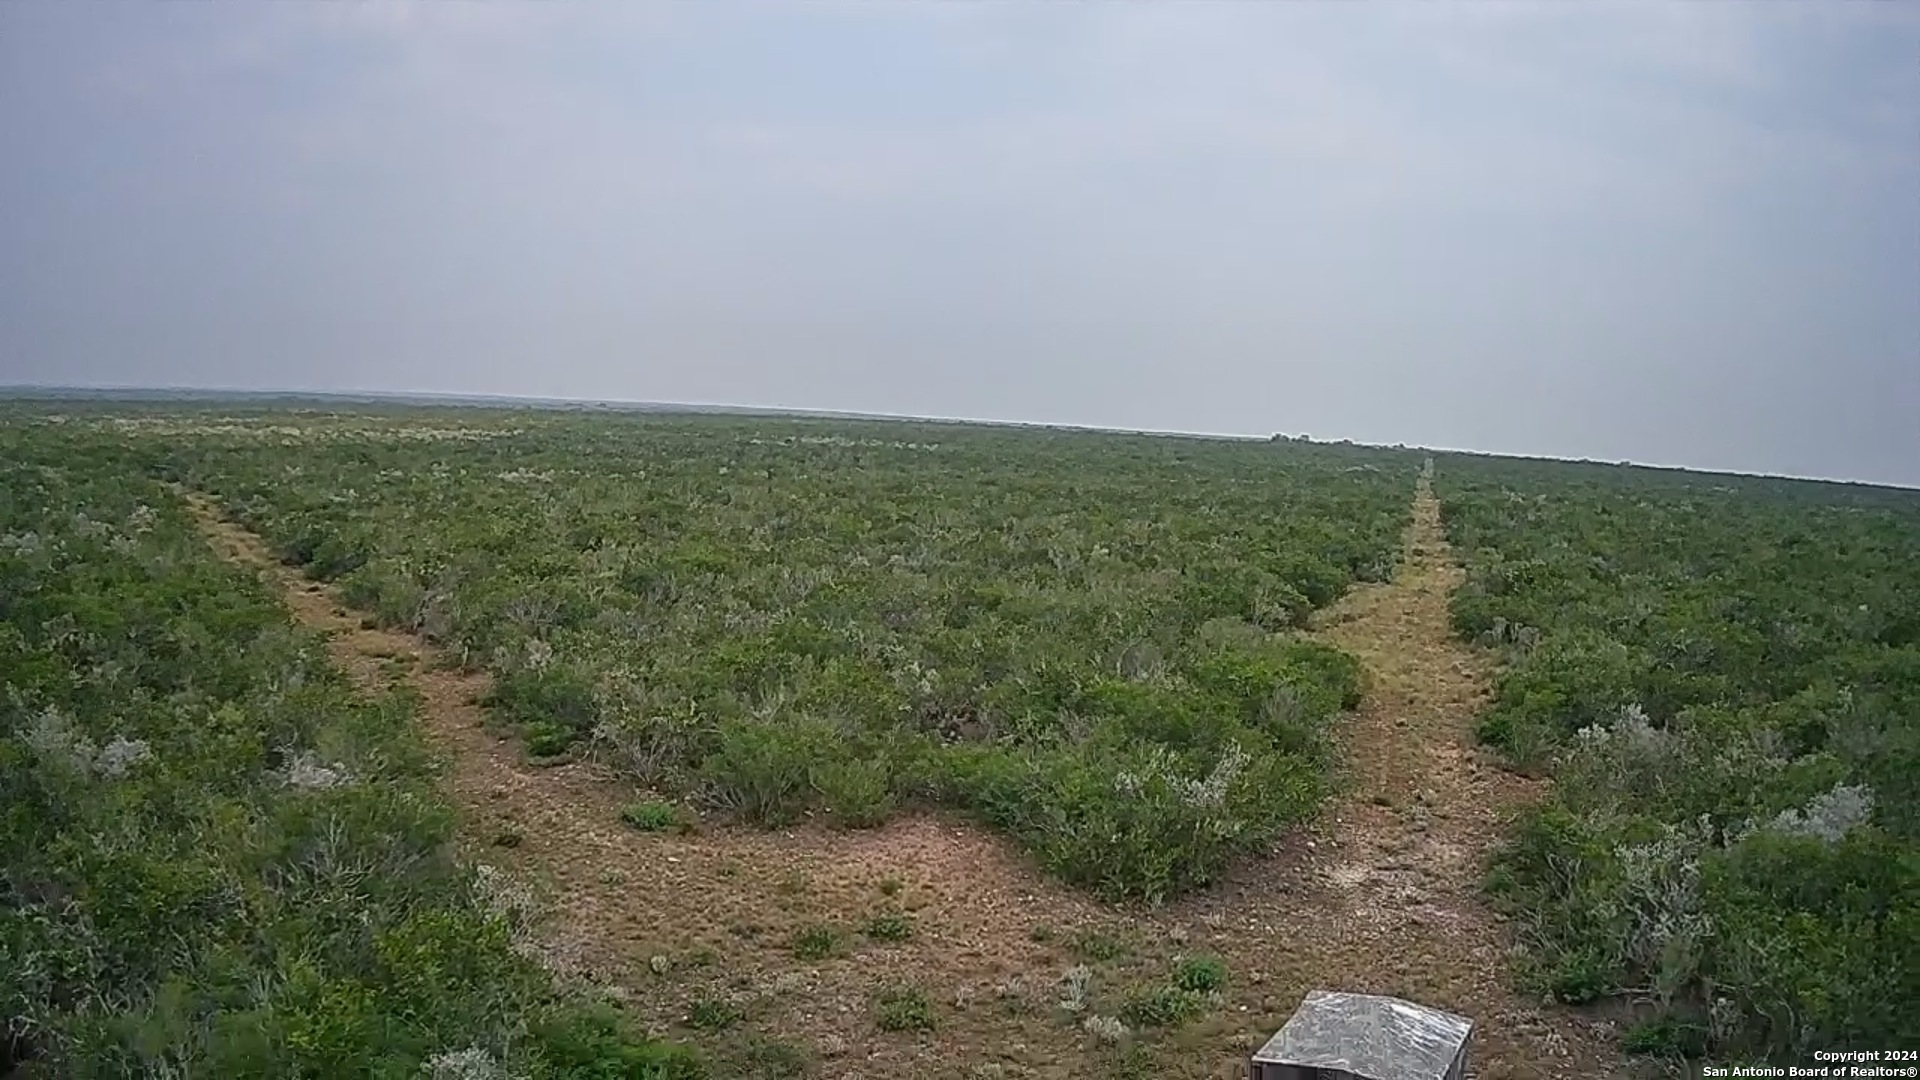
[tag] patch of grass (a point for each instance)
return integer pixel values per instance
(891, 926)
(712, 1014)
(1137, 1063)
(1098, 946)
(1200, 974)
(1665, 1036)
(590, 1043)
(815, 942)
(903, 1008)
(546, 740)
(1162, 1007)
(761, 1058)
(652, 816)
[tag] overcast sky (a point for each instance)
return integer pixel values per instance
(1677, 234)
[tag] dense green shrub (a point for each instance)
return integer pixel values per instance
(764, 772)
(1716, 672)
(1201, 974)
(214, 858)
(788, 617)
(857, 792)
(1133, 821)
(555, 705)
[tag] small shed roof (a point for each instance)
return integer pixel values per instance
(1378, 1038)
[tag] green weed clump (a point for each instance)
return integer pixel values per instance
(653, 816)
(1163, 1006)
(1194, 988)
(903, 1008)
(816, 942)
(1098, 946)
(1201, 974)
(891, 926)
(553, 706)
(709, 1014)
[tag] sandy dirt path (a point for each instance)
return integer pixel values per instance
(1380, 895)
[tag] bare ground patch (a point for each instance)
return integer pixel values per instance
(1380, 895)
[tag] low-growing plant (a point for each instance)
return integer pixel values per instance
(1076, 984)
(558, 699)
(903, 1008)
(652, 816)
(815, 942)
(1666, 1036)
(1163, 1006)
(890, 926)
(1098, 945)
(1200, 974)
(713, 1014)
(596, 1043)
(549, 740)
(1141, 820)
(761, 1058)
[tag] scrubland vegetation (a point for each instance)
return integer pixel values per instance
(223, 861)
(1082, 639)
(217, 858)
(1723, 677)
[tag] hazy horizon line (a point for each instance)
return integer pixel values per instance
(457, 399)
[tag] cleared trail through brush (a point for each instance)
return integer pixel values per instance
(1380, 895)
(1386, 895)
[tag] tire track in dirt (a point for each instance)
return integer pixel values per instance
(1381, 895)
(1384, 894)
